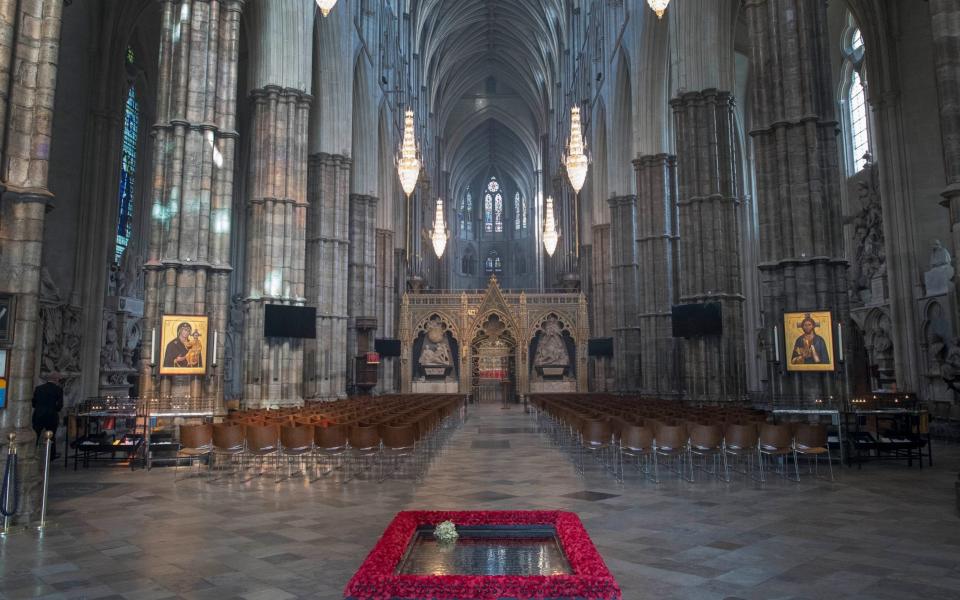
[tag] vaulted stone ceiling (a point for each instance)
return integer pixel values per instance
(490, 68)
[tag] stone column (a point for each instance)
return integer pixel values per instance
(603, 303)
(280, 76)
(188, 264)
(361, 293)
(275, 241)
(798, 191)
(710, 239)
(623, 264)
(945, 27)
(386, 303)
(29, 50)
(328, 244)
(657, 248)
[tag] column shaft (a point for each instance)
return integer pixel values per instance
(328, 244)
(29, 51)
(798, 191)
(623, 261)
(657, 248)
(188, 266)
(276, 241)
(710, 239)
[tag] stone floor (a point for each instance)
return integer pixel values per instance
(885, 531)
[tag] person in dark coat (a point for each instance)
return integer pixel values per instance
(47, 404)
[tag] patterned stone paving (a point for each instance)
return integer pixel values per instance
(885, 531)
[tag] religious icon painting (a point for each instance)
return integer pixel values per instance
(808, 339)
(7, 308)
(183, 343)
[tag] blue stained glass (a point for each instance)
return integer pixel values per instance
(488, 213)
(516, 212)
(128, 171)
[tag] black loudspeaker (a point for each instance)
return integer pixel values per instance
(697, 320)
(387, 347)
(600, 347)
(281, 321)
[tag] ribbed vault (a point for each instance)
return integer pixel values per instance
(490, 72)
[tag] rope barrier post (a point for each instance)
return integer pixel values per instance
(9, 498)
(48, 447)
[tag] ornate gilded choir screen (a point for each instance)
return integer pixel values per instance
(450, 341)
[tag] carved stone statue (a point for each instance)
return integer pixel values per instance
(950, 364)
(552, 350)
(939, 256)
(110, 353)
(48, 289)
(870, 258)
(436, 349)
(938, 277)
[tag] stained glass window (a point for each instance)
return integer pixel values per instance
(856, 41)
(498, 213)
(493, 264)
(488, 213)
(516, 212)
(128, 170)
(524, 202)
(858, 136)
(468, 215)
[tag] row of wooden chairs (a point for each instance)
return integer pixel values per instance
(238, 445)
(688, 441)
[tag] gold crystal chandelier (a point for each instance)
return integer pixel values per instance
(576, 159)
(550, 234)
(439, 234)
(659, 6)
(326, 6)
(408, 165)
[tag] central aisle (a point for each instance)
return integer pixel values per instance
(885, 531)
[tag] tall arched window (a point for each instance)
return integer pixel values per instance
(524, 211)
(128, 168)
(517, 219)
(855, 113)
(488, 212)
(466, 216)
(493, 207)
(859, 131)
(493, 264)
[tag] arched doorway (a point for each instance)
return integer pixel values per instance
(494, 361)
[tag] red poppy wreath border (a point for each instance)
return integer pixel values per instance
(377, 579)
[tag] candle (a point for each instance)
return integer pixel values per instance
(776, 344)
(839, 342)
(153, 346)
(214, 361)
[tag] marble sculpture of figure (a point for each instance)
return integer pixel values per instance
(436, 350)
(552, 350)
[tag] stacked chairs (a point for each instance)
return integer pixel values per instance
(652, 433)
